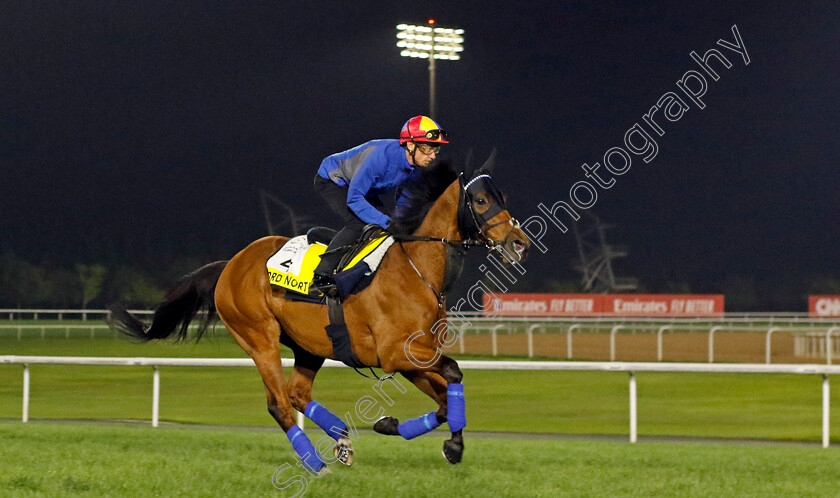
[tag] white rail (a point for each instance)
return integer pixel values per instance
(630, 367)
(60, 314)
(45, 328)
(615, 327)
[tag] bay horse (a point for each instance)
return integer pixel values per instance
(444, 210)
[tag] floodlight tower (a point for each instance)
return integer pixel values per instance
(429, 42)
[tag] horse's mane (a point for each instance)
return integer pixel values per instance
(421, 191)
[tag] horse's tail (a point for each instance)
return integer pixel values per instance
(189, 296)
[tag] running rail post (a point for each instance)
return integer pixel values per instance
(569, 340)
(155, 397)
(633, 417)
(25, 417)
(825, 411)
(612, 341)
(530, 333)
(712, 342)
(494, 340)
(828, 344)
(659, 341)
(767, 345)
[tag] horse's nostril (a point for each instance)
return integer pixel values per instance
(520, 248)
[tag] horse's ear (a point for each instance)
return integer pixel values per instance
(468, 163)
(489, 164)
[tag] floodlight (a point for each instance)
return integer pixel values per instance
(425, 42)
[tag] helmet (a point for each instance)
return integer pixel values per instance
(422, 129)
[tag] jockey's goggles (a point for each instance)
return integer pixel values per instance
(436, 134)
(428, 149)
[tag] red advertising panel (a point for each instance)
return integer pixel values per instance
(824, 306)
(604, 304)
(543, 304)
(663, 304)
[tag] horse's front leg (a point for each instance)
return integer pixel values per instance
(449, 393)
(456, 415)
(435, 387)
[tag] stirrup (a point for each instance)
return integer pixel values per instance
(323, 284)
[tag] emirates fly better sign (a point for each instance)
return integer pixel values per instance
(824, 306)
(603, 304)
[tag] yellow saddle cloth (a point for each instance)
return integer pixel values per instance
(293, 265)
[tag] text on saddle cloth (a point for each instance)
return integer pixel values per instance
(293, 265)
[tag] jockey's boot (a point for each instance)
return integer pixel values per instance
(323, 283)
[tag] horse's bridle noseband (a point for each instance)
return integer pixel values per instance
(475, 226)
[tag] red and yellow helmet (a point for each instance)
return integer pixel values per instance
(422, 129)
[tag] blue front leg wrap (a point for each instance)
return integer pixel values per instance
(410, 429)
(456, 414)
(303, 447)
(331, 424)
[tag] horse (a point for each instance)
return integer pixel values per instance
(388, 322)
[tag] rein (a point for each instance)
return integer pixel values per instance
(459, 246)
(441, 297)
(465, 243)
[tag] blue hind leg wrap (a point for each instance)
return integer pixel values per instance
(456, 414)
(325, 419)
(410, 429)
(303, 447)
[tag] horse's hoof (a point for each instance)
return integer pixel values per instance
(387, 426)
(344, 451)
(453, 451)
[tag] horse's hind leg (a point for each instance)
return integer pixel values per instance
(300, 394)
(264, 348)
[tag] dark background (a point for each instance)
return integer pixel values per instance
(141, 133)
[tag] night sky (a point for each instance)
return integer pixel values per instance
(144, 131)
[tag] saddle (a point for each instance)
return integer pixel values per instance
(324, 235)
(292, 266)
(320, 235)
(370, 234)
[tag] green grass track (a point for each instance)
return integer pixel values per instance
(93, 460)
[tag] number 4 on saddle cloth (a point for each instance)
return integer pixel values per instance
(293, 265)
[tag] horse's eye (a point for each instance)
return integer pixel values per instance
(481, 201)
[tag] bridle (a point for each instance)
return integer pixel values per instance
(473, 227)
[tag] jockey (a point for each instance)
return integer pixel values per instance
(352, 181)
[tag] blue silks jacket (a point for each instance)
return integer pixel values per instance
(373, 168)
